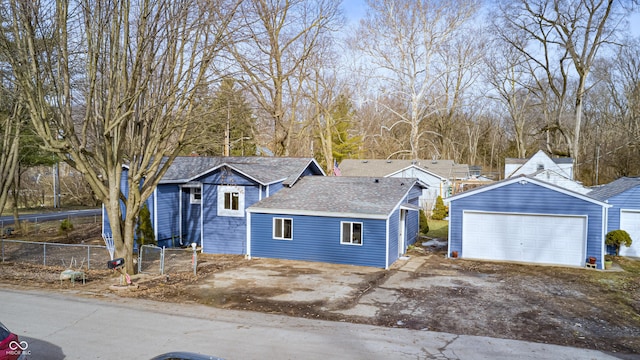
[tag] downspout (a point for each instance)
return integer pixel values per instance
(201, 218)
(248, 255)
(180, 214)
(449, 231)
(386, 253)
(605, 224)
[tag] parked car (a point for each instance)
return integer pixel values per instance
(182, 355)
(10, 346)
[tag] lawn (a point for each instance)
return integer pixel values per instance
(438, 229)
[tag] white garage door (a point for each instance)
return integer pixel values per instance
(630, 222)
(547, 239)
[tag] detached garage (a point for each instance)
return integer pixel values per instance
(624, 195)
(524, 219)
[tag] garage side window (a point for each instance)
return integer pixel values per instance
(351, 233)
(282, 228)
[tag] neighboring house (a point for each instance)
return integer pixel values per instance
(203, 199)
(346, 220)
(538, 162)
(525, 219)
(624, 196)
(552, 177)
(438, 175)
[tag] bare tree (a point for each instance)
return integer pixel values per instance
(111, 84)
(11, 119)
(272, 48)
(562, 38)
(403, 42)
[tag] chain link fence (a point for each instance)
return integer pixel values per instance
(160, 260)
(53, 254)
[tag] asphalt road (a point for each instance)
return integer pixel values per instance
(58, 215)
(58, 326)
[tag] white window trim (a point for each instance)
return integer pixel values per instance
(351, 229)
(222, 190)
(192, 196)
(273, 228)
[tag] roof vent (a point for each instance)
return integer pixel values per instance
(376, 181)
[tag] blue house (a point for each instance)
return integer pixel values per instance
(624, 196)
(203, 199)
(525, 219)
(345, 220)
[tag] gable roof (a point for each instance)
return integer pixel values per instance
(263, 170)
(445, 169)
(361, 197)
(517, 166)
(614, 188)
(527, 179)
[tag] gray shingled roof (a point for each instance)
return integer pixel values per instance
(521, 161)
(265, 170)
(376, 167)
(338, 195)
(614, 188)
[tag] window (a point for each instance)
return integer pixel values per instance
(196, 195)
(230, 200)
(282, 228)
(540, 167)
(351, 233)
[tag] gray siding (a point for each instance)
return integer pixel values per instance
(529, 198)
(317, 238)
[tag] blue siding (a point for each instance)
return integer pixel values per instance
(529, 198)
(412, 227)
(394, 223)
(318, 239)
(629, 199)
(168, 215)
(190, 218)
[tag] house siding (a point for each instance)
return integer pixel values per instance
(628, 200)
(394, 223)
(317, 238)
(529, 198)
(167, 215)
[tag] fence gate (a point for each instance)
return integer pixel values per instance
(151, 259)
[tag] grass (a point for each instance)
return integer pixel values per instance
(438, 229)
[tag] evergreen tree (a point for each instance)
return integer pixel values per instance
(226, 110)
(144, 228)
(439, 211)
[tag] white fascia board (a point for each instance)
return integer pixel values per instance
(527, 180)
(442, 178)
(317, 213)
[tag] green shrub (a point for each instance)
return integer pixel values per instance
(618, 238)
(65, 227)
(439, 211)
(144, 230)
(424, 223)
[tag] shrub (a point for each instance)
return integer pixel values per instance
(144, 230)
(618, 238)
(424, 223)
(439, 211)
(65, 227)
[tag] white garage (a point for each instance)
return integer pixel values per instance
(630, 222)
(545, 239)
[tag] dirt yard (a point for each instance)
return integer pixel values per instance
(566, 306)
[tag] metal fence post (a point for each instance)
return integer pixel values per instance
(2, 249)
(162, 261)
(88, 257)
(44, 258)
